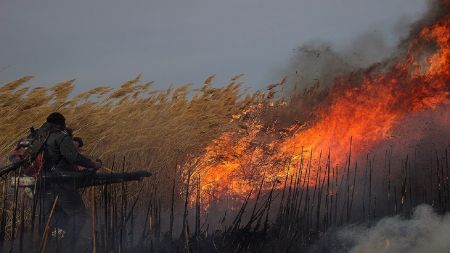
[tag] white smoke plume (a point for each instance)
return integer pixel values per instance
(425, 231)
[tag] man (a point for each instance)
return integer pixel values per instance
(61, 155)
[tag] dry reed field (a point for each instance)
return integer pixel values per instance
(235, 170)
(155, 130)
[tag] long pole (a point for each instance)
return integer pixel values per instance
(47, 226)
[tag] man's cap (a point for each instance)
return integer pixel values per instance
(56, 118)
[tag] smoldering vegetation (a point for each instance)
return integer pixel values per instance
(425, 231)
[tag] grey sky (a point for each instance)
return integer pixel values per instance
(178, 41)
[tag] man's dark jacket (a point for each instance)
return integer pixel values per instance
(60, 153)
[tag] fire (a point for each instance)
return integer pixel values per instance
(364, 111)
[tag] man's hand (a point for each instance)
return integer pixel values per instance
(98, 164)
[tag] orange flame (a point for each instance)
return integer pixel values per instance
(365, 112)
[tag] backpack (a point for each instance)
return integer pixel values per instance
(29, 153)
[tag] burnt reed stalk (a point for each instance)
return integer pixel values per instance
(93, 220)
(348, 180)
(306, 205)
(123, 209)
(353, 190)
(306, 212)
(297, 186)
(172, 204)
(316, 185)
(281, 206)
(327, 195)
(3, 216)
(447, 178)
(319, 204)
(252, 215)
(22, 224)
(14, 216)
(197, 209)
(186, 202)
(105, 213)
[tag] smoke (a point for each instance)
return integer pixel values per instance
(317, 64)
(425, 231)
(321, 62)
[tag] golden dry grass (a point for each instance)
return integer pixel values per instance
(154, 129)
